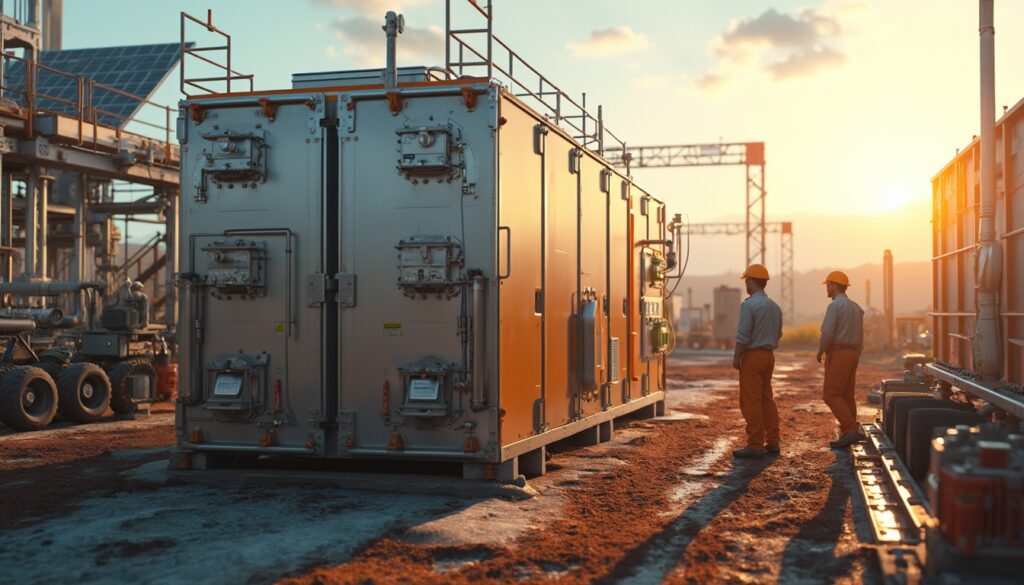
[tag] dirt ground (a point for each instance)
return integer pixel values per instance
(663, 501)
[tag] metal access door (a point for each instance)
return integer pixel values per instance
(252, 274)
(416, 216)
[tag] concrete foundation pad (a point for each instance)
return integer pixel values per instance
(377, 482)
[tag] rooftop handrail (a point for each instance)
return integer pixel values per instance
(36, 102)
(569, 114)
(230, 74)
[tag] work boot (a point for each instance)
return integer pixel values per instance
(772, 448)
(847, 440)
(748, 453)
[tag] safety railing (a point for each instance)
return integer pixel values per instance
(150, 248)
(32, 102)
(477, 52)
(226, 74)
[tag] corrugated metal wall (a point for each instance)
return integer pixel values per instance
(955, 197)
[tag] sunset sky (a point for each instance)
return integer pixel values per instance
(859, 102)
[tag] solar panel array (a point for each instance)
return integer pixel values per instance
(138, 70)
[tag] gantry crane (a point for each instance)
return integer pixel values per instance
(751, 156)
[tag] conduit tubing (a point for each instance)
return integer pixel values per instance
(987, 346)
(479, 398)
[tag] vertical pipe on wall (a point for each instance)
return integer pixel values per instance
(28, 264)
(479, 397)
(987, 346)
(43, 184)
(171, 264)
(78, 231)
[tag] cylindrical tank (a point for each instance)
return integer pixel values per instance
(166, 376)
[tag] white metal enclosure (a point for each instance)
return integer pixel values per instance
(435, 273)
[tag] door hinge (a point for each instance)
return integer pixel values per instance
(345, 285)
(316, 289)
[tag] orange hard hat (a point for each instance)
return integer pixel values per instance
(756, 271)
(837, 277)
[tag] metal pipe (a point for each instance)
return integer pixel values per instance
(16, 325)
(987, 345)
(479, 398)
(78, 231)
(394, 25)
(47, 289)
(56, 288)
(171, 264)
(28, 264)
(46, 318)
(6, 210)
(44, 223)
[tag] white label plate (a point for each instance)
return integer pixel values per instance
(423, 389)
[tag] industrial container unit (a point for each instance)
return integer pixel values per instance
(430, 271)
(943, 471)
(956, 198)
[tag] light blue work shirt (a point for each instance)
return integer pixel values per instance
(760, 322)
(843, 324)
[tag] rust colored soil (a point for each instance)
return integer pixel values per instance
(46, 473)
(62, 443)
(763, 520)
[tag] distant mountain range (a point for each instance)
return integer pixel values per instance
(912, 293)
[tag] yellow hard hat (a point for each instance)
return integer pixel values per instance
(837, 277)
(756, 271)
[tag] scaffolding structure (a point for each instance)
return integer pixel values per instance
(785, 231)
(755, 229)
(78, 174)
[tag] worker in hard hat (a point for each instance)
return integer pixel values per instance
(842, 338)
(757, 337)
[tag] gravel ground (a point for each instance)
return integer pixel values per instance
(662, 502)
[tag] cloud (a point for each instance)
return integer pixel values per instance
(618, 40)
(773, 29)
(806, 62)
(364, 41)
(784, 45)
(375, 8)
(709, 80)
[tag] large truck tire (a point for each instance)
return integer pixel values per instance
(84, 391)
(28, 398)
(921, 425)
(120, 377)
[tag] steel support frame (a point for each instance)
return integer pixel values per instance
(786, 263)
(756, 195)
(748, 154)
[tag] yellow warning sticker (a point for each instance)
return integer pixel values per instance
(392, 329)
(279, 327)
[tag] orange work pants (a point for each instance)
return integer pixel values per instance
(756, 400)
(840, 380)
